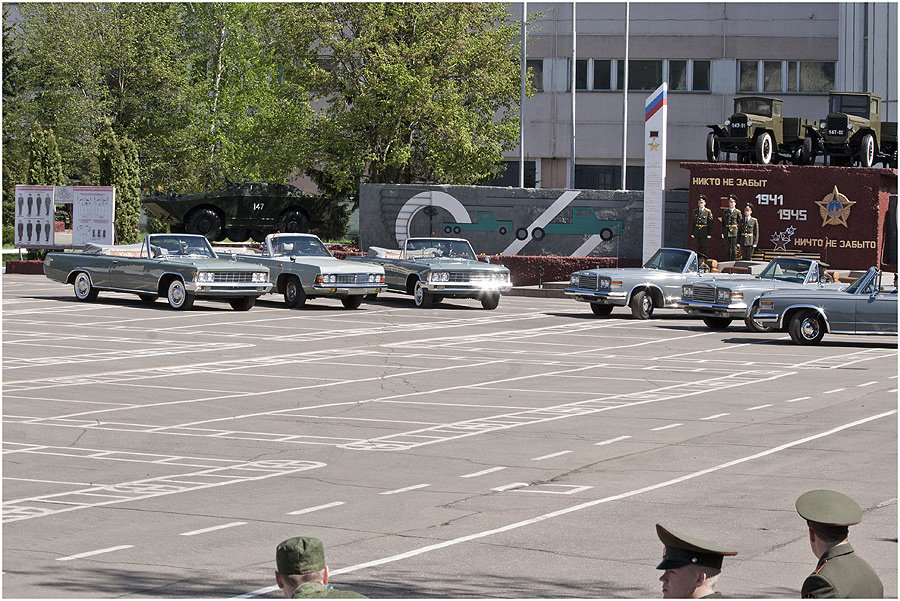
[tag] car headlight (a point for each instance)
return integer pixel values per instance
(439, 276)
(849, 127)
(687, 292)
(205, 276)
(573, 280)
(371, 278)
(727, 122)
(821, 125)
(259, 277)
(723, 295)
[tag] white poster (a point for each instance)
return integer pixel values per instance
(93, 215)
(35, 209)
(655, 119)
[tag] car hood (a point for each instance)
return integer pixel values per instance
(329, 264)
(212, 264)
(460, 265)
(628, 272)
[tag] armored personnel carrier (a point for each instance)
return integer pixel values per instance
(239, 211)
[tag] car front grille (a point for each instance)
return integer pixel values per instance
(469, 276)
(588, 282)
(738, 127)
(352, 278)
(704, 294)
(233, 277)
(836, 125)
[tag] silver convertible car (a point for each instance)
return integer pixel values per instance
(656, 284)
(867, 306)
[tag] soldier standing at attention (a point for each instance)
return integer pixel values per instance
(700, 226)
(691, 565)
(840, 572)
(731, 217)
(301, 572)
(748, 233)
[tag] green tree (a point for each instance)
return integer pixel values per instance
(412, 92)
(44, 160)
(15, 150)
(119, 167)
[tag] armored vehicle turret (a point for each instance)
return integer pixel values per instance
(239, 211)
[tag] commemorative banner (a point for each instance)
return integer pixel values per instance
(837, 213)
(93, 215)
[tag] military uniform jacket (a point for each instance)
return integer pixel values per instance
(730, 220)
(842, 574)
(315, 590)
(748, 232)
(701, 223)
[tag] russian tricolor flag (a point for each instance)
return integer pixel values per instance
(655, 103)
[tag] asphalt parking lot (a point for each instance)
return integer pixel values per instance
(448, 452)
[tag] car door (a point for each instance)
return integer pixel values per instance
(877, 313)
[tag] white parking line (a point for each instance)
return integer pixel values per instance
(835, 390)
(757, 407)
(97, 552)
(868, 383)
(665, 427)
(510, 486)
(610, 441)
(717, 415)
(212, 529)
(483, 472)
(404, 489)
(316, 508)
(550, 455)
(799, 398)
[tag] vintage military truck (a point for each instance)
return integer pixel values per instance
(853, 132)
(239, 211)
(758, 132)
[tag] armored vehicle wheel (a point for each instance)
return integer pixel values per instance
(752, 324)
(179, 298)
(238, 234)
(422, 296)
(765, 148)
(490, 301)
(205, 222)
(294, 296)
(84, 290)
(243, 304)
(148, 298)
(293, 222)
(352, 302)
(601, 310)
(713, 153)
(641, 305)
(807, 152)
(717, 323)
(806, 327)
(258, 235)
(867, 151)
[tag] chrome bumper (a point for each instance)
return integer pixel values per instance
(227, 289)
(470, 288)
(347, 289)
(619, 299)
(736, 311)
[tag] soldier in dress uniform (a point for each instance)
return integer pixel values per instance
(691, 565)
(840, 573)
(748, 233)
(731, 217)
(301, 572)
(701, 225)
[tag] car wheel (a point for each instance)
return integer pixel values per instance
(806, 327)
(490, 301)
(294, 296)
(764, 148)
(521, 233)
(867, 151)
(243, 304)
(448, 229)
(422, 296)
(752, 324)
(258, 235)
(205, 222)
(238, 234)
(807, 152)
(713, 153)
(84, 290)
(502, 230)
(370, 297)
(717, 323)
(352, 302)
(641, 305)
(293, 222)
(538, 233)
(436, 298)
(148, 298)
(601, 310)
(457, 230)
(179, 298)
(606, 234)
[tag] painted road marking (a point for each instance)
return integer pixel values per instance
(212, 529)
(555, 489)
(510, 486)
(757, 407)
(717, 415)
(610, 441)
(551, 455)
(801, 398)
(316, 508)
(835, 390)
(483, 472)
(868, 383)
(97, 552)
(405, 489)
(665, 427)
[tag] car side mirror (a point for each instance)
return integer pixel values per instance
(487, 259)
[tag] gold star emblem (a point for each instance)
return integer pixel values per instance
(835, 208)
(654, 145)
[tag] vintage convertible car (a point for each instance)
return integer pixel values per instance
(867, 306)
(433, 268)
(180, 267)
(656, 284)
(302, 269)
(720, 302)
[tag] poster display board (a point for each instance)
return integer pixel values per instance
(34, 220)
(93, 215)
(655, 119)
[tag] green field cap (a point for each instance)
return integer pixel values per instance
(682, 550)
(300, 555)
(828, 507)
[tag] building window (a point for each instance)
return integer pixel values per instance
(678, 75)
(510, 175)
(772, 76)
(748, 78)
(700, 76)
(806, 77)
(642, 74)
(581, 78)
(607, 177)
(792, 76)
(816, 76)
(602, 74)
(536, 67)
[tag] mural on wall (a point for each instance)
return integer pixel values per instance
(508, 221)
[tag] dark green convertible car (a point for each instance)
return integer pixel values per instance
(180, 267)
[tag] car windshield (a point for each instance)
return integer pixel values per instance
(754, 106)
(668, 260)
(303, 246)
(857, 106)
(427, 248)
(786, 270)
(179, 245)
